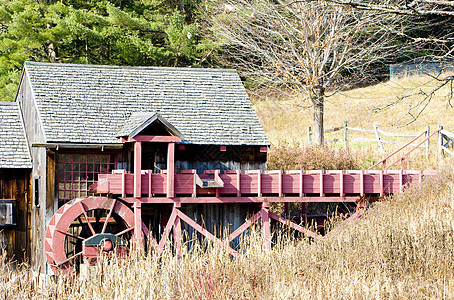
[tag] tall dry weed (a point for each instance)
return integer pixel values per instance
(402, 248)
(287, 156)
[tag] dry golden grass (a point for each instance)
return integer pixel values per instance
(401, 249)
(286, 121)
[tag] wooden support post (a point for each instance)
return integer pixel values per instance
(440, 139)
(341, 183)
(301, 184)
(216, 175)
(377, 135)
(177, 233)
(382, 183)
(266, 225)
(280, 183)
(321, 183)
(259, 183)
(150, 192)
(346, 135)
(137, 169)
(138, 222)
(194, 188)
(123, 184)
(401, 180)
(171, 170)
(238, 183)
(361, 183)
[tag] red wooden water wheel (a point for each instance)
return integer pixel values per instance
(83, 228)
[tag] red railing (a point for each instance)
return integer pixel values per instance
(402, 158)
(270, 184)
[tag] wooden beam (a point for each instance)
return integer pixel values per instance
(205, 232)
(171, 170)
(244, 226)
(165, 234)
(295, 226)
(137, 169)
(341, 183)
(177, 236)
(266, 225)
(220, 200)
(154, 138)
(138, 222)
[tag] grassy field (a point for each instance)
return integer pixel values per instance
(401, 249)
(288, 120)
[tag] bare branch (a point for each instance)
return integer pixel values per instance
(313, 48)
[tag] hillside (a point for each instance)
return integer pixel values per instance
(286, 120)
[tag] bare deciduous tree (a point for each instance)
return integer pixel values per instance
(440, 43)
(313, 48)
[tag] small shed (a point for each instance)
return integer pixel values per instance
(16, 209)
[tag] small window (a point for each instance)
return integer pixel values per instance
(7, 212)
(76, 172)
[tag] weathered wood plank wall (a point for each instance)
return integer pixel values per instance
(15, 184)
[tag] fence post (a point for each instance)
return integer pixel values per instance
(309, 135)
(346, 134)
(440, 139)
(377, 135)
(427, 142)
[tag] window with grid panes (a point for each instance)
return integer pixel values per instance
(76, 172)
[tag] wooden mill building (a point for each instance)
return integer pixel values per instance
(70, 123)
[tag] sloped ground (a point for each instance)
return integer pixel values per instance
(288, 120)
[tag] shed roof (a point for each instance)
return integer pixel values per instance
(14, 152)
(91, 103)
(140, 120)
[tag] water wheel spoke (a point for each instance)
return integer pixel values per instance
(125, 231)
(70, 234)
(84, 231)
(108, 216)
(86, 218)
(68, 259)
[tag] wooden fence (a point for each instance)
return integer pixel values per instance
(445, 141)
(445, 138)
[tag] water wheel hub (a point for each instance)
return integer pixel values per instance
(103, 242)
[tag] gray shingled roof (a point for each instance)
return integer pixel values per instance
(90, 104)
(14, 152)
(140, 120)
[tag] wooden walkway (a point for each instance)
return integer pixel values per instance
(255, 186)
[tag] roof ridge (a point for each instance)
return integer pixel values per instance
(130, 67)
(8, 103)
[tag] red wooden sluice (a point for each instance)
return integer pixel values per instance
(214, 186)
(255, 186)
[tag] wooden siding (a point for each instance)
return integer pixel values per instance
(15, 184)
(210, 157)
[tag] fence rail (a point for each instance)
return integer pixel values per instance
(445, 141)
(445, 138)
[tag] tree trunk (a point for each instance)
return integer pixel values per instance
(318, 97)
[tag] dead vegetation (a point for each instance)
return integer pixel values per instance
(401, 249)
